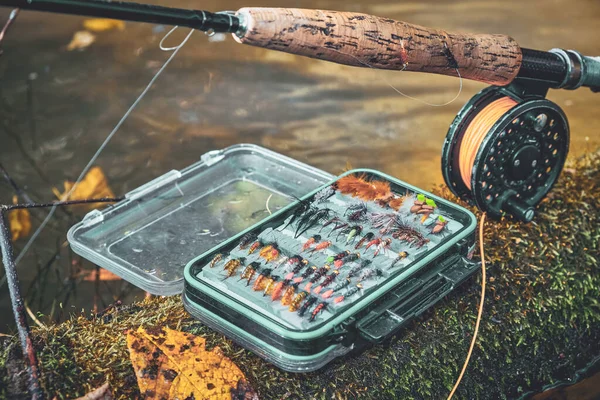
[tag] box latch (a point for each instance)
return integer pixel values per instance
(154, 184)
(413, 297)
(212, 157)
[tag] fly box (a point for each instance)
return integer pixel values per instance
(248, 235)
(344, 266)
(148, 238)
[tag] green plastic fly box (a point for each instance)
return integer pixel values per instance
(346, 265)
(292, 263)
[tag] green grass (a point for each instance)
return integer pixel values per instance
(541, 322)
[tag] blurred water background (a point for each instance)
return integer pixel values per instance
(57, 106)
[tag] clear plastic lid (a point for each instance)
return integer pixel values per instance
(148, 238)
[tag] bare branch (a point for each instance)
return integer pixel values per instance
(19, 308)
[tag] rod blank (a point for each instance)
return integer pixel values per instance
(197, 19)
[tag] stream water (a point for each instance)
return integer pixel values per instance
(57, 106)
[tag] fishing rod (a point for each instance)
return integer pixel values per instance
(505, 148)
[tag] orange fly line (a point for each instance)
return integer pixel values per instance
(471, 142)
(475, 133)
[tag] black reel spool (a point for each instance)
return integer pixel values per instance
(519, 159)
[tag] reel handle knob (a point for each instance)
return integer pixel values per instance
(519, 209)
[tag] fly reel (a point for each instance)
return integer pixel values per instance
(505, 150)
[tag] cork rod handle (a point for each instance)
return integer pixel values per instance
(367, 41)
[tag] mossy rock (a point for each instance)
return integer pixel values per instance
(541, 323)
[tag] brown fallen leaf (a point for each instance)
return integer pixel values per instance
(94, 185)
(19, 221)
(175, 365)
(101, 393)
(81, 40)
(103, 24)
(105, 275)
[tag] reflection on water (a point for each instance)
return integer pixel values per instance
(58, 106)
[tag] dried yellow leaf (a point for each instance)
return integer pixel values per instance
(81, 40)
(175, 365)
(19, 221)
(103, 24)
(94, 185)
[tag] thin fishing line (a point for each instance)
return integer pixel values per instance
(267, 204)
(479, 312)
(460, 87)
(107, 140)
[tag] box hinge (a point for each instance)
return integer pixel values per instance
(413, 297)
(153, 185)
(92, 218)
(212, 157)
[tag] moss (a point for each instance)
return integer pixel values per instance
(541, 322)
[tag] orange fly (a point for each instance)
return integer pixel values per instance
(288, 294)
(321, 246)
(279, 289)
(295, 304)
(310, 242)
(261, 281)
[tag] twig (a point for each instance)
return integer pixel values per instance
(8, 207)
(96, 288)
(31, 111)
(63, 203)
(14, 185)
(11, 18)
(19, 308)
(33, 317)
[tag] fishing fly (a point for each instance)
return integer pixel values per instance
(347, 259)
(401, 256)
(365, 239)
(310, 242)
(345, 283)
(279, 288)
(295, 303)
(316, 277)
(215, 260)
(324, 194)
(318, 309)
(288, 294)
(326, 282)
(354, 271)
(299, 265)
(370, 273)
(248, 238)
(311, 218)
(302, 208)
(232, 266)
(255, 246)
(310, 301)
(350, 232)
(382, 246)
(261, 280)
(321, 246)
(306, 274)
(281, 261)
(349, 293)
(338, 256)
(358, 211)
(270, 285)
(329, 222)
(249, 271)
